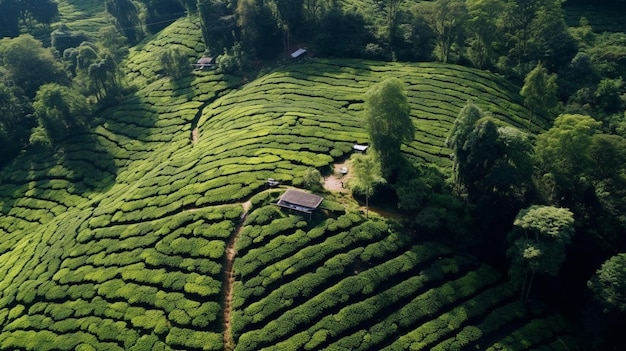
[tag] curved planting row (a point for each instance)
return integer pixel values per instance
(117, 239)
(353, 284)
(86, 15)
(320, 103)
(144, 286)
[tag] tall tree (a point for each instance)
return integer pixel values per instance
(497, 166)
(539, 92)
(483, 33)
(461, 129)
(609, 283)
(60, 110)
(126, 15)
(447, 19)
(535, 31)
(26, 12)
(562, 157)
(538, 243)
(15, 122)
(516, 22)
(30, 65)
(218, 23)
(550, 40)
(391, 8)
(366, 176)
(389, 124)
(259, 32)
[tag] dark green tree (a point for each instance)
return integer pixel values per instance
(289, 17)
(562, 158)
(260, 35)
(217, 22)
(29, 65)
(126, 14)
(539, 92)
(15, 122)
(535, 31)
(497, 168)
(447, 19)
(29, 13)
(391, 9)
(482, 31)
(366, 175)
(608, 284)
(389, 124)
(175, 61)
(158, 14)
(312, 179)
(538, 243)
(342, 34)
(463, 126)
(60, 111)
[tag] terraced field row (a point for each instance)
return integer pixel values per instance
(352, 284)
(140, 286)
(83, 15)
(321, 103)
(116, 240)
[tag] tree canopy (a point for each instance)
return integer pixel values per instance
(609, 283)
(538, 243)
(389, 123)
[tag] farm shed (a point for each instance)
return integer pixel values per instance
(205, 62)
(298, 53)
(360, 148)
(300, 201)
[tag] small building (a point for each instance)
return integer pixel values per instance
(360, 148)
(205, 62)
(272, 183)
(298, 53)
(300, 201)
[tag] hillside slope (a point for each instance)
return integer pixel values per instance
(117, 240)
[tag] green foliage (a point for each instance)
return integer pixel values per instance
(60, 111)
(607, 283)
(539, 92)
(447, 19)
(538, 243)
(562, 155)
(387, 115)
(367, 175)
(175, 61)
(29, 65)
(27, 13)
(138, 263)
(312, 179)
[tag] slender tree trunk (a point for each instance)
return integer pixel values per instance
(530, 284)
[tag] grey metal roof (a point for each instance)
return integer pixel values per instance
(300, 201)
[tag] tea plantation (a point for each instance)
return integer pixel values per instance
(118, 239)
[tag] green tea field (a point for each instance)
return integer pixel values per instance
(154, 230)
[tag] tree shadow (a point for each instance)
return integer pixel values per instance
(77, 167)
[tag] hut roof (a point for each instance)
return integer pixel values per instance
(298, 53)
(300, 201)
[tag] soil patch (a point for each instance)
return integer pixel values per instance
(338, 180)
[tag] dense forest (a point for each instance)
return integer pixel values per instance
(489, 211)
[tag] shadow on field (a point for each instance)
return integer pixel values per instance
(80, 165)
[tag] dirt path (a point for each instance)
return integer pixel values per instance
(337, 182)
(229, 280)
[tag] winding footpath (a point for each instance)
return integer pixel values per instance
(229, 280)
(333, 183)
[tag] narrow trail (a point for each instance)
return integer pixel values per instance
(229, 280)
